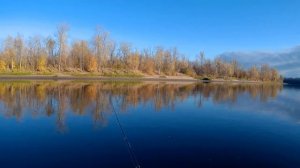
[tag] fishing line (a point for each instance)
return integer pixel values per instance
(125, 138)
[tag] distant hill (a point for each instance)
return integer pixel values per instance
(286, 61)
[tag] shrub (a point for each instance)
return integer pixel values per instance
(2, 65)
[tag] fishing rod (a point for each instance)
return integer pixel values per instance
(133, 157)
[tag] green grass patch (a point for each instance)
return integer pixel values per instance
(15, 73)
(83, 74)
(127, 75)
(46, 73)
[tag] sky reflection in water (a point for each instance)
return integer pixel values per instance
(72, 124)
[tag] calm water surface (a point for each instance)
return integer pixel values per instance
(114, 124)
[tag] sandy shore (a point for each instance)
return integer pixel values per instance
(100, 78)
(103, 78)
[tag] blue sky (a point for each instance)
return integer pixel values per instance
(215, 26)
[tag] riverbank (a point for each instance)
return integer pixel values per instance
(181, 78)
(100, 78)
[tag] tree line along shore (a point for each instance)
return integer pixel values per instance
(102, 56)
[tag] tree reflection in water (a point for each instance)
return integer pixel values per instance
(38, 98)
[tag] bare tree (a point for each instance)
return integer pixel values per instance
(102, 47)
(62, 38)
(159, 55)
(254, 73)
(201, 58)
(19, 47)
(9, 52)
(50, 47)
(50, 44)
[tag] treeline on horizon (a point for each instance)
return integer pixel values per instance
(104, 56)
